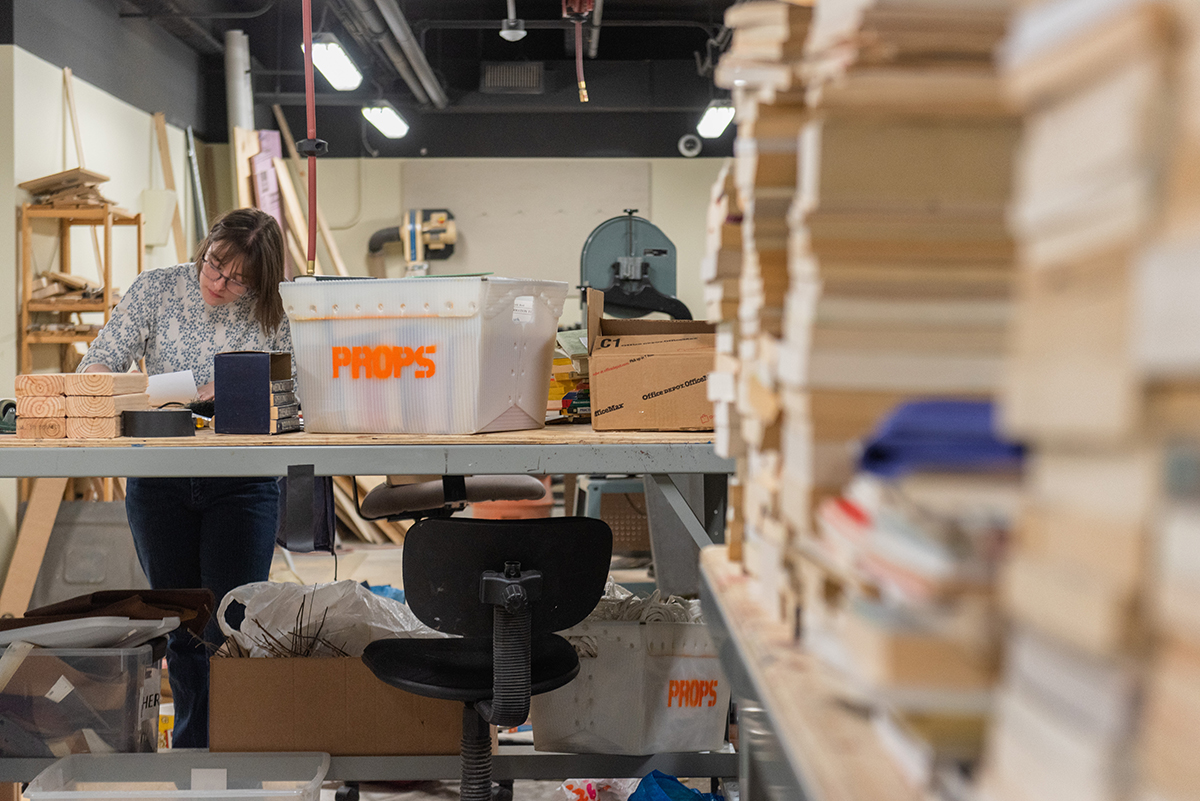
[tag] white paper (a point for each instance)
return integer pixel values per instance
(171, 388)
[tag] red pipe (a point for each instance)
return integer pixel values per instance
(310, 103)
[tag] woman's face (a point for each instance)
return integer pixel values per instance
(220, 278)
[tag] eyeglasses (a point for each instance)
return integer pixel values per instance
(213, 273)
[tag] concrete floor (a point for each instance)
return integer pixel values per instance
(443, 791)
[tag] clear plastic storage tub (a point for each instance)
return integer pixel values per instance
(63, 701)
(175, 775)
(453, 355)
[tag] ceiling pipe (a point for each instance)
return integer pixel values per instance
(189, 30)
(594, 38)
(395, 20)
(377, 33)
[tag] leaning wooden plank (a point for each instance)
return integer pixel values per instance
(105, 383)
(31, 545)
(93, 427)
(345, 501)
(335, 255)
(105, 405)
(164, 154)
(40, 384)
(293, 212)
(42, 406)
(41, 427)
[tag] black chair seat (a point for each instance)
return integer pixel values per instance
(460, 669)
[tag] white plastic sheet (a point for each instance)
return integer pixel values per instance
(341, 615)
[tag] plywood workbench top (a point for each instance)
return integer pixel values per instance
(827, 739)
(551, 435)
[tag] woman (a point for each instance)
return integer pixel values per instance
(217, 533)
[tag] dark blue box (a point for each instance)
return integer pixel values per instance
(242, 390)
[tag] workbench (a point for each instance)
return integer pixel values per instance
(552, 450)
(803, 732)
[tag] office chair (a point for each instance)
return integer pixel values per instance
(504, 586)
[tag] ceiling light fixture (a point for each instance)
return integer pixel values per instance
(716, 119)
(512, 29)
(386, 119)
(331, 59)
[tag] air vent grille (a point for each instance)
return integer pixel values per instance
(512, 78)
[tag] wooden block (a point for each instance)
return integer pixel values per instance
(105, 405)
(41, 427)
(93, 427)
(73, 281)
(104, 383)
(48, 291)
(280, 412)
(40, 384)
(42, 406)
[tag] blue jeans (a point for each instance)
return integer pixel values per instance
(217, 533)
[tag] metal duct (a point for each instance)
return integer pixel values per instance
(398, 25)
(377, 32)
(594, 40)
(239, 94)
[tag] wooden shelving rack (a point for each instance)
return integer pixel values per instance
(106, 216)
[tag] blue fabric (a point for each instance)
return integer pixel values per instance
(217, 533)
(658, 786)
(386, 591)
(939, 435)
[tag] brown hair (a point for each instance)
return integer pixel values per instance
(252, 236)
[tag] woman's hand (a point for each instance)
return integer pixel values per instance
(97, 368)
(205, 393)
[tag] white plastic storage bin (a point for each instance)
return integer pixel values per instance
(62, 701)
(175, 775)
(423, 355)
(642, 688)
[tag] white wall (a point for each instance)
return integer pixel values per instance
(526, 217)
(35, 140)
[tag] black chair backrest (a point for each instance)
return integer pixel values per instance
(445, 558)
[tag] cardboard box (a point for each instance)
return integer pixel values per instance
(332, 705)
(649, 375)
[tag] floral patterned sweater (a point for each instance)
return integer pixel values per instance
(164, 319)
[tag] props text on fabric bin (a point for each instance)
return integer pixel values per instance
(691, 693)
(383, 361)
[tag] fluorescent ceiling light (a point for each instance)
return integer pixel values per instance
(330, 58)
(716, 119)
(383, 115)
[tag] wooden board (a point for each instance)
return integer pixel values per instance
(550, 436)
(93, 427)
(42, 406)
(293, 212)
(245, 146)
(818, 720)
(40, 384)
(62, 180)
(105, 383)
(32, 538)
(164, 153)
(41, 427)
(105, 405)
(344, 502)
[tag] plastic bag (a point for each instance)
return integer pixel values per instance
(334, 619)
(598, 789)
(658, 786)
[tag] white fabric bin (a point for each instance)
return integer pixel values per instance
(453, 355)
(642, 688)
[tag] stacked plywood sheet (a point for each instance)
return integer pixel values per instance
(77, 405)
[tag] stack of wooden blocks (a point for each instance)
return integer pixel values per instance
(68, 189)
(77, 405)
(285, 407)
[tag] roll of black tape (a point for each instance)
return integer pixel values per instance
(158, 423)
